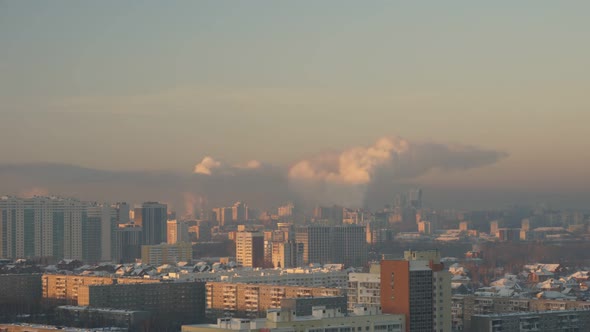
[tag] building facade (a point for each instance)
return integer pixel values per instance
(55, 228)
(250, 249)
(287, 254)
(417, 287)
(321, 319)
(364, 289)
(127, 243)
(252, 300)
(343, 244)
(64, 289)
(170, 303)
(154, 218)
(546, 321)
(177, 231)
(159, 254)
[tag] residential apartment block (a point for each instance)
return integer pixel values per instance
(364, 289)
(546, 321)
(322, 319)
(342, 244)
(64, 289)
(252, 300)
(164, 253)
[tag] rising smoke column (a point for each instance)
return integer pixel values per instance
(345, 177)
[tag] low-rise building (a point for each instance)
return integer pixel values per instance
(22, 327)
(322, 319)
(63, 289)
(306, 277)
(546, 321)
(168, 302)
(19, 293)
(252, 300)
(303, 306)
(89, 317)
(166, 253)
(464, 308)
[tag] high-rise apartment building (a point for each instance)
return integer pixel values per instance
(53, 227)
(406, 288)
(417, 287)
(171, 302)
(226, 215)
(250, 248)
(239, 212)
(154, 217)
(127, 243)
(287, 254)
(441, 288)
(349, 245)
(364, 289)
(123, 211)
(252, 300)
(343, 244)
(316, 243)
(494, 226)
(286, 210)
(101, 219)
(334, 214)
(177, 231)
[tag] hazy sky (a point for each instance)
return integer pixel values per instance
(162, 84)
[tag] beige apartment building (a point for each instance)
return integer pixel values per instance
(252, 300)
(163, 253)
(63, 289)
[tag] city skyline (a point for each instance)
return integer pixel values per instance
(152, 91)
(294, 166)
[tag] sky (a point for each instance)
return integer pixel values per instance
(152, 85)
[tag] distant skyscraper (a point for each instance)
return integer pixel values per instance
(122, 209)
(154, 217)
(525, 225)
(127, 243)
(411, 199)
(177, 232)
(41, 227)
(166, 253)
(287, 254)
(239, 212)
(494, 226)
(342, 244)
(92, 236)
(349, 245)
(316, 243)
(415, 196)
(464, 226)
(108, 216)
(334, 214)
(137, 218)
(250, 249)
(17, 219)
(226, 215)
(286, 210)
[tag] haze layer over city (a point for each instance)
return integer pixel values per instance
(129, 97)
(254, 166)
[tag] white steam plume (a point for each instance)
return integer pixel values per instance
(251, 164)
(353, 166)
(206, 166)
(344, 177)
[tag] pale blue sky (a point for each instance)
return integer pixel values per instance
(161, 84)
